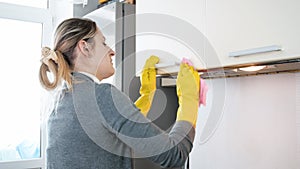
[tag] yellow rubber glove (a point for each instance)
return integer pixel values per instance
(187, 86)
(148, 85)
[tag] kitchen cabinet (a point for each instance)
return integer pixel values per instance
(211, 32)
(168, 29)
(232, 26)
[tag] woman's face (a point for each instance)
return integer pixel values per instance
(102, 55)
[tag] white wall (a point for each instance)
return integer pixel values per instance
(60, 10)
(257, 124)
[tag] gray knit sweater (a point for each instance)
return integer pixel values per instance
(95, 126)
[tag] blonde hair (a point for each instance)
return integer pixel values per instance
(60, 60)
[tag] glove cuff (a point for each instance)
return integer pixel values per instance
(188, 111)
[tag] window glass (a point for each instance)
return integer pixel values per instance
(31, 3)
(20, 90)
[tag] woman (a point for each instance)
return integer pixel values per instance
(93, 124)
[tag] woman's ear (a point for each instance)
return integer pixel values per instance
(83, 48)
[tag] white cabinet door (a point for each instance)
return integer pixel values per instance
(235, 25)
(171, 30)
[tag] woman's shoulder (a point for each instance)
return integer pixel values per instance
(110, 92)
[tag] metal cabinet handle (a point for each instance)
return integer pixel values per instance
(255, 51)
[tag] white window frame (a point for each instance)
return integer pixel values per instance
(36, 15)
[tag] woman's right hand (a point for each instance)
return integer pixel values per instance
(148, 85)
(188, 85)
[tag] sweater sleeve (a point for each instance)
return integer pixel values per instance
(122, 118)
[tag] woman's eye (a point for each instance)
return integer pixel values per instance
(104, 44)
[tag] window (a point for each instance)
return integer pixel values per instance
(19, 116)
(22, 135)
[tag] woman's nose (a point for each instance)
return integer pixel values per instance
(112, 53)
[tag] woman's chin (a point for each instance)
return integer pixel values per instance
(108, 75)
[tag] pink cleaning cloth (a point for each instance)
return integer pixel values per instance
(187, 61)
(203, 91)
(203, 86)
